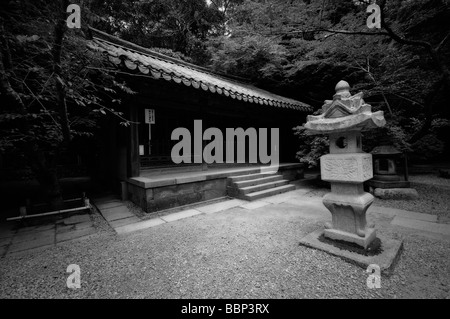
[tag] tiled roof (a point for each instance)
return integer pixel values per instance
(160, 66)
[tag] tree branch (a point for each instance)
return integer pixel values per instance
(60, 29)
(442, 42)
(433, 52)
(395, 36)
(376, 84)
(5, 85)
(354, 32)
(337, 32)
(8, 91)
(6, 59)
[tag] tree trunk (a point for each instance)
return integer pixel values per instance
(47, 175)
(424, 130)
(60, 29)
(44, 167)
(50, 182)
(13, 100)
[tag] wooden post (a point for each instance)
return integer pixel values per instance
(149, 139)
(133, 144)
(406, 167)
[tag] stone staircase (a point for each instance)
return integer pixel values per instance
(255, 186)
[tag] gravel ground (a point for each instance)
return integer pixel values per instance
(430, 179)
(434, 197)
(139, 212)
(232, 254)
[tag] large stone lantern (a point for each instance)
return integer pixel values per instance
(347, 166)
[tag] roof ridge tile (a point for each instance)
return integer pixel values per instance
(170, 70)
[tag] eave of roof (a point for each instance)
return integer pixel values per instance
(160, 66)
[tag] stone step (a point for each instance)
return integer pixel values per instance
(268, 192)
(246, 177)
(258, 181)
(261, 187)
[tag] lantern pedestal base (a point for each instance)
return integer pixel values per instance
(348, 204)
(364, 242)
(386, 257)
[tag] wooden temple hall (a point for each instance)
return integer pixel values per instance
(173, 94)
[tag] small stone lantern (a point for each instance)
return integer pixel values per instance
(385, 169)
(347, 166)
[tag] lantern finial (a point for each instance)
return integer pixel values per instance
(342, 90)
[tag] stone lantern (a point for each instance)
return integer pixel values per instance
(386, 183)
(385, 168)
(347, 166)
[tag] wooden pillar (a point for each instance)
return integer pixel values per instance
(133, 144)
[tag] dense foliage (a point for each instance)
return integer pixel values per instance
(53, 90)
(303, 48)
(181, 26)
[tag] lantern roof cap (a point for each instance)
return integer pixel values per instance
(385, 150)
(344, 113)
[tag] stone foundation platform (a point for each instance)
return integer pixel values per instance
(386, 256)
(163, 191)
(396, 193)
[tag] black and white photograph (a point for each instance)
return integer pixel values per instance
(225, 157)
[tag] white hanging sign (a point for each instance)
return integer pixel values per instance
(149, 116)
